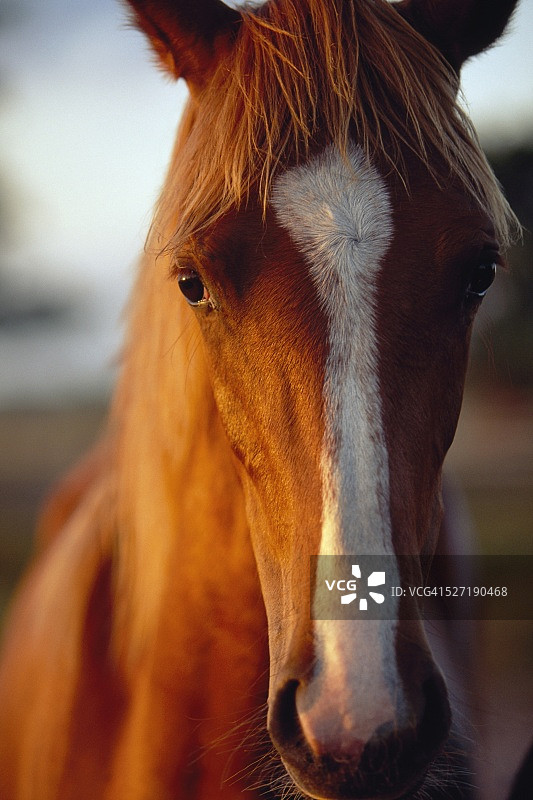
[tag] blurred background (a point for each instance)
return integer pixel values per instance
(86, 133)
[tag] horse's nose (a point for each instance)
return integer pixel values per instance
(332, 753)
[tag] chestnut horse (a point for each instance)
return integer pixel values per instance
(291, 383)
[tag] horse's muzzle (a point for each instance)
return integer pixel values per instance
(328, 761)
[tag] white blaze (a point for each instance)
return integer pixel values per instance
(337, 211)
(339, 214)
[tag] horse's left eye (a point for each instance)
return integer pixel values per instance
(192, 287)
(480, 280)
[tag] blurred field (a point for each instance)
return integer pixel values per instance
(491, 460)
(36, 447)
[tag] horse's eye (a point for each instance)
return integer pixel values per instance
(480, 280)
(192, 288)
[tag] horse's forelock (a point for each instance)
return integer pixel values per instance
(287, 89)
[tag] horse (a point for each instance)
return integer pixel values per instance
(291, 380)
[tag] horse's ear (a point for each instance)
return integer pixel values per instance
(458, 28)
(187, 35)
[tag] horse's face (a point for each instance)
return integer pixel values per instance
(337, 337)
(336, 329)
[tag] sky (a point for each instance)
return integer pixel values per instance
(87, 127)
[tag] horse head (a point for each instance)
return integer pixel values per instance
(333, 225)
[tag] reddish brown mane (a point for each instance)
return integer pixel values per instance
(287, 87)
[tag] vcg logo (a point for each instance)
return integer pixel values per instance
(349, 586)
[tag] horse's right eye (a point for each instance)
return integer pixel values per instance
(480, 280)
(192, 287)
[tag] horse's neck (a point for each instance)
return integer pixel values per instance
(193, 616)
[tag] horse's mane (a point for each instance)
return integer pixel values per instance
(307, 72)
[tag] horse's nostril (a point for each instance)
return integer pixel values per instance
(284, 725)
(434, 724)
